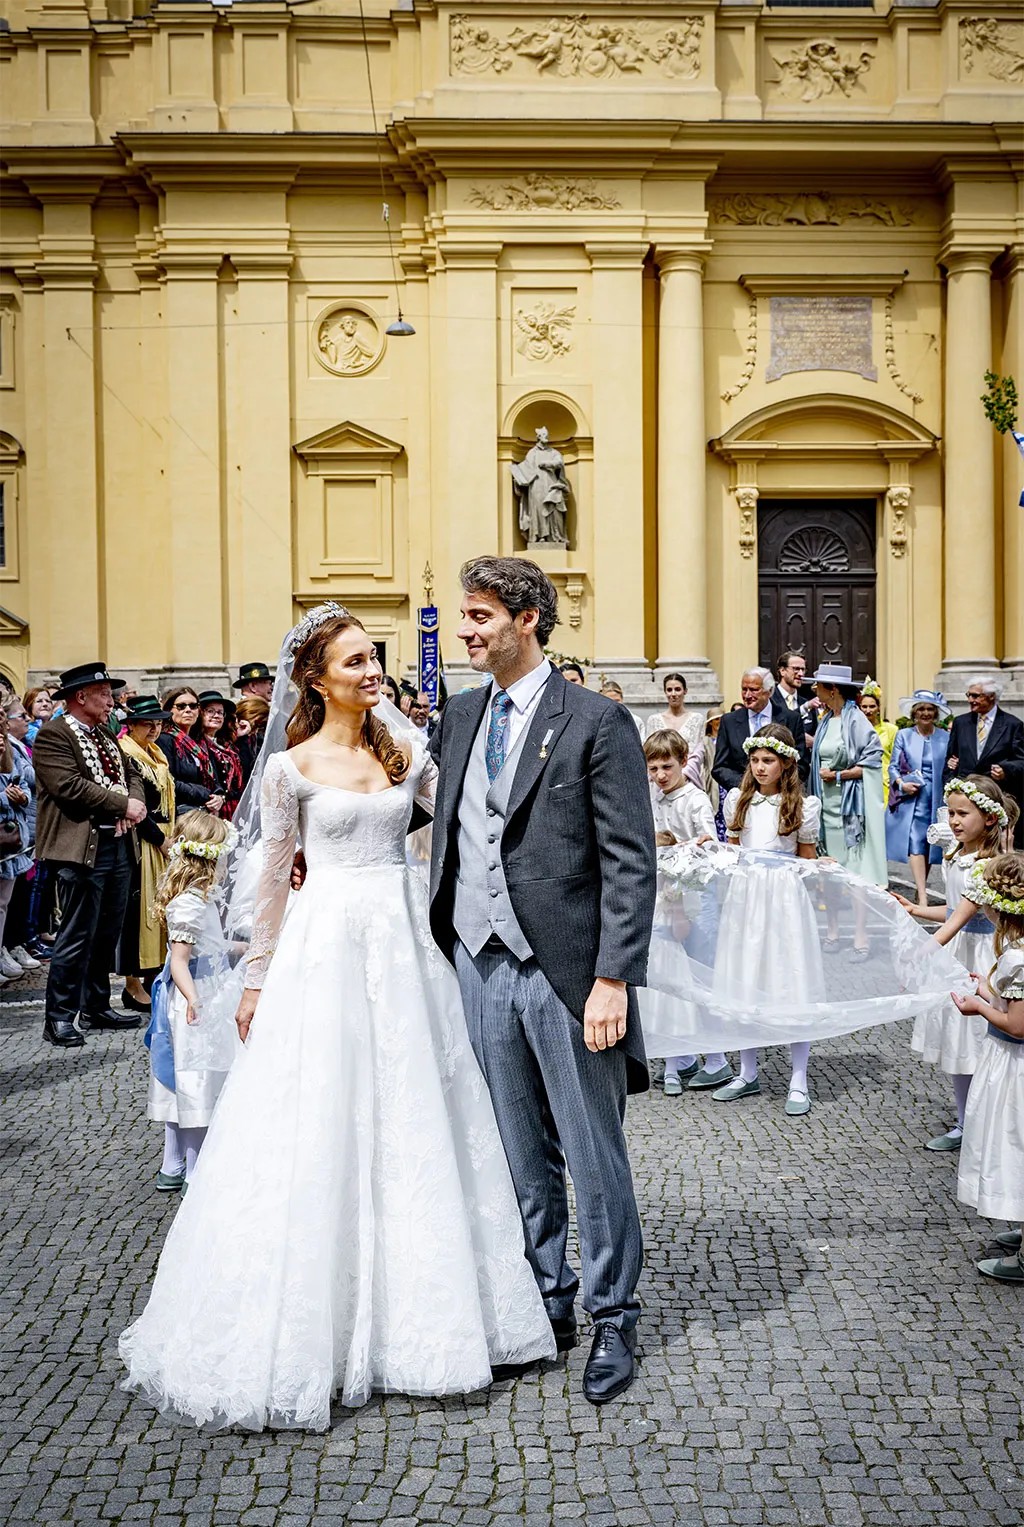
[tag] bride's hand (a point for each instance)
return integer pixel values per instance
(246, 1012)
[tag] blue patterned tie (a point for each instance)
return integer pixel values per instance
(497, 733)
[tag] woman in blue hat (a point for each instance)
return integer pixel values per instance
(915, 785)
(846, 765)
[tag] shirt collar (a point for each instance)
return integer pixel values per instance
(755, 715)
(79, 726)
(525, 690)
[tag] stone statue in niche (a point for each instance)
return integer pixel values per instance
(542, 492)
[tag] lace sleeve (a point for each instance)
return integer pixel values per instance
(279, 830)
(426, 784)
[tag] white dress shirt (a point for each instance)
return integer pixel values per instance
(524, 694)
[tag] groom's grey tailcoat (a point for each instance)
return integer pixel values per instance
(577, 845)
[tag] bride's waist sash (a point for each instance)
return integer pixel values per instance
(347, 867)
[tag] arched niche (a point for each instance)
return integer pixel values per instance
(567, 429)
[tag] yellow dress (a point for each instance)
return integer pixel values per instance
(887, 731)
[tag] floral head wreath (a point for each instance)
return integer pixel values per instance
(983, 802)
(196, 850)
(309, 623)
(873, 688)
(773, 744)
(984, 895)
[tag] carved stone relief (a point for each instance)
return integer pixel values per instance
(580, 47)
(347, 340)
(890, 356)
(898, 501)
(544, 331)
(819, 68)
(808, 209)
(746, 499)
(538, 191)
(992, 48)
(749, 356)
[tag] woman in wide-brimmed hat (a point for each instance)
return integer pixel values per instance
(846, 763)
(143, 946)
(915, 785)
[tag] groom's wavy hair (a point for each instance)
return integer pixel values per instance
(310, 665)
(519, 584)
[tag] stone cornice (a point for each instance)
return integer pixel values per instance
(798, 283)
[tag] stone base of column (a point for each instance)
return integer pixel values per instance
(702, 685)
(1012, 672)
(156, 681)
(955, 675)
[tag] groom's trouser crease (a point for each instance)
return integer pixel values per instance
(551, 1096)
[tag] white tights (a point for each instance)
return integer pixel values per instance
(181, 1147)
(961, 1087)
(679, 1063)
(798, 1057)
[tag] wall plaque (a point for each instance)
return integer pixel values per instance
(820, 334)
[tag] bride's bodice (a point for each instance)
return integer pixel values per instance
(350, 829)
(336, 828)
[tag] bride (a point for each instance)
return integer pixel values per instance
(351, 1225)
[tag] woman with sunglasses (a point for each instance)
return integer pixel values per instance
(196, 782)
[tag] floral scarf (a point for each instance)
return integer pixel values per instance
(227, 760)
(188, 750)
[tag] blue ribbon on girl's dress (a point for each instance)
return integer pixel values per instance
(158, 1034)
(158, 1039)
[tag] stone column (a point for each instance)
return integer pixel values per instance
(259, 517)
(969, 640)
(1013, 481)
(682, 473)
(467, 524)
(65, 521)
(193, 456)
(618, 497)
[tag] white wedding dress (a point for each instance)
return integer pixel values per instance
(351, 1225)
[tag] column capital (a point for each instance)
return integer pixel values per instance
(691, 258)
(607, 255)
(469, 254)
(960, 261)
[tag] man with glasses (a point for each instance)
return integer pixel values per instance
(988, 740)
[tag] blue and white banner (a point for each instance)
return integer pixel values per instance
(430, 652)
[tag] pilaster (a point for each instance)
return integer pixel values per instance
(682, 473)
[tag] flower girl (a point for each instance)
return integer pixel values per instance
(189, 1049)
(770, 813)
(991, 1176)
(682, 814)
(978, 815)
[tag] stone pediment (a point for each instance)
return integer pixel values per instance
(828, 424)
(11, 625)
(346, 442)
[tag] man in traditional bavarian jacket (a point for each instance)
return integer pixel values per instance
(89, 803)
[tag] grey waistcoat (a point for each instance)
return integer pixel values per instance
(482, 905)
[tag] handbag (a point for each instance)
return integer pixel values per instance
(10, 839)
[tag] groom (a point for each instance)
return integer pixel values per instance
(542, 892)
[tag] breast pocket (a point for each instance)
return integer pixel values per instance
(569, 790)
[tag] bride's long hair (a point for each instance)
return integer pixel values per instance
(311, 661)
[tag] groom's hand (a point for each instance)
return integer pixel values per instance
(604, 1017)
(298, 871)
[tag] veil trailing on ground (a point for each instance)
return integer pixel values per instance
(223, 948)
(754, 949)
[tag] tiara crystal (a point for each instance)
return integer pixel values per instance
(309, 623)
(773, 744)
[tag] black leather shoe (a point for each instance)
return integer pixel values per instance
(565, 1329)
(501, 1371)
(610, 1367)
(133, 1005)
(62, 1033)
(110, 1020)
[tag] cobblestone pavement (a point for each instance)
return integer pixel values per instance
(817, 1347)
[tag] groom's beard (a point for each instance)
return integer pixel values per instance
(500, 653)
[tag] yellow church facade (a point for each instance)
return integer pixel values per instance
(747, 265)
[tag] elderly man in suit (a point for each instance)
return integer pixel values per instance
(761, 704)
(542, 895)
(988, 740)
(89, 802)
